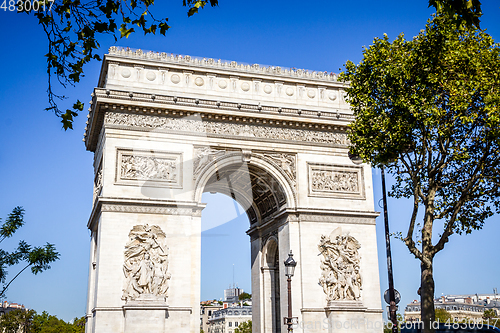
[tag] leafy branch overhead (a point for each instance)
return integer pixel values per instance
(37, 258)
(72, 28)
(462, 12)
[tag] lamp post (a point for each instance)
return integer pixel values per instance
(289, 269)
(392, 293)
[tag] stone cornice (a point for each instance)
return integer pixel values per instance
(210, 64)
(145, 206)
(209, 110)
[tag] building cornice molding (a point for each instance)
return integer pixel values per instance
(208, 110)
(143, 206)
(278, 73)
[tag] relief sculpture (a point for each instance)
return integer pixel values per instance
(146, 263)
(340, 277)
(203, 156)
(286, 162)
(148, 167)
(335, 181)
(215, 128)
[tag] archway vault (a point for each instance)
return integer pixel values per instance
(260, 187)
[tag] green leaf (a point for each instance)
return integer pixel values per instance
(125, 32)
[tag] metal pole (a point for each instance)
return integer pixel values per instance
(289, 280)
(392, 296)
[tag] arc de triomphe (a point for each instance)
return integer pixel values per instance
(166, 128)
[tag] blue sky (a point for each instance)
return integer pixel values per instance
(48, 171)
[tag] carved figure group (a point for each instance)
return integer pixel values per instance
(335, 181)
(146, 263)
(148, 167)
(206, 127)
(340, 277)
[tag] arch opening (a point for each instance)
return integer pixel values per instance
(264, 194)
(255, 189)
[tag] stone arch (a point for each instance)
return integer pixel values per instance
(271, 282)
(261, 187)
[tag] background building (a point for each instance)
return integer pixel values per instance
(7, 307)
(460, 307)
(231, 295)
(207, 308)
(226, 320)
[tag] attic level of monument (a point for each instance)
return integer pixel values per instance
(181, 86)
(218, 64)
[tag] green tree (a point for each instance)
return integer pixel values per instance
(489, 314)
(462, 12)
(427, 109)
(46, 323)
(243, 296)
(72, 28)
(37, 258)
(244, 327)
(17, 321)
(442, 315)
(28, 321)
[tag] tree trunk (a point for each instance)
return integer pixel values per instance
(427, 297)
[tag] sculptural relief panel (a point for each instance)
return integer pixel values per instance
(162, 169)
(232, 129)
(203, 156)
(340, 266)
(146, 264)
(327, 180)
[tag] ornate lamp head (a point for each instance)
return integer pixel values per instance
(290, 265)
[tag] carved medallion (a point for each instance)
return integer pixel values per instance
(340, 277)
(146, 264)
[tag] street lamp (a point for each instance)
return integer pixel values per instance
(289, 269)
(392, 293)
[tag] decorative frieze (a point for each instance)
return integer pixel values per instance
(146, 264)
(148, 209)
(336, 180)
(340, 266)
(225, 129)
(149, 168)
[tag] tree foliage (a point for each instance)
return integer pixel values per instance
(72, 28)
(36, 258)
(428, 110)
(462, 12)
(28, 321)
(243, 296)
(489, 314)
(244, 327)
(442, 315)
